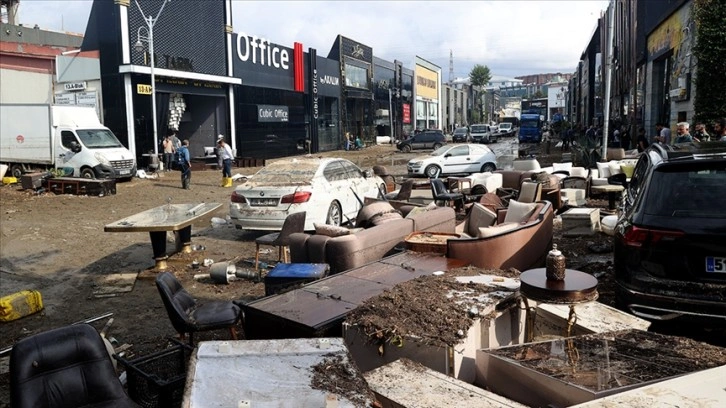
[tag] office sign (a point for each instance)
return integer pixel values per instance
(272, 113)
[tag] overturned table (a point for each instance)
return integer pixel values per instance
(157, 221)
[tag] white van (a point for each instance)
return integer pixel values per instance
(481, 133)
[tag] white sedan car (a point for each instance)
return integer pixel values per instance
(330, 190)
(454, 159)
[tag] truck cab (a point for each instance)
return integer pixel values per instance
(530, 128)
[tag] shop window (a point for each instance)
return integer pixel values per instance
(356, 77)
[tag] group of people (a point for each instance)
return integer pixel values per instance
(176, 150)
(352, 142)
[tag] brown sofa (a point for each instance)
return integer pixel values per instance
(368, 245)
(523, 248)
(512, 179)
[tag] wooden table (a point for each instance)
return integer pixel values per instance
(157, 221)
(319, 309)
(613, 191)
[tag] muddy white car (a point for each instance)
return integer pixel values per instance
(330, 190)
(454, 159)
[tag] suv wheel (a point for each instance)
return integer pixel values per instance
(437, 145)
(406, 148)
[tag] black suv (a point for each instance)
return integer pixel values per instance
(427, 139)
(670, 239)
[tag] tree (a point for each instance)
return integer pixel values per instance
(710, 99)
(479, 77)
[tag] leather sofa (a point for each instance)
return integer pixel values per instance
(368, 245)
(522, 248)
(512, 180)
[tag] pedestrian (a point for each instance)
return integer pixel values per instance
(185, 164)
(591, 134)
(719, 130)
(174, 139)
(700, 135)
(168, 152)
(625, 138)
(664, 134)
(683, 134)
(642, 140)
(225, 154)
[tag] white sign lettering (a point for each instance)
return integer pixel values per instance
(315, 93)
(330, 80)
(260, 51)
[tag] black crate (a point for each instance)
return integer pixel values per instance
(157, 380)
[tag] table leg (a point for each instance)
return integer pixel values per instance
(612, 196)
(530, 315)
(184, 239)
(158, 246)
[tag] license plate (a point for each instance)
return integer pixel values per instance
(264, 202)
(124, 171)
(715, 264)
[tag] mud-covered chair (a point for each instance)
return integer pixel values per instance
(403, 194)
(188, 316)
(530, 192)
(441, 194)
(64, 368)
(294, 222)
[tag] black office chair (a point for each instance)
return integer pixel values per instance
(187, 316)
(65, 368)
(441, 194)
(294, 222)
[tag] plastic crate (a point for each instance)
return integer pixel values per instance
(157, 380)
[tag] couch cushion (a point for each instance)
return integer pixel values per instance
(519, 212)
(376, 213)
(330, 230)
(578, 171)
(614, 168)
(491, 201)
(561, 166)
(627, 169)
(479, 216)
(603, 170)
(486, 232)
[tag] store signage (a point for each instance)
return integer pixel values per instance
(143, 89)
(329, 80)
(65, 99)
(357, 52)
(315, 90)
(406, 113)
(86, 98)
(272, 113)
(260, 51)
(75, 86)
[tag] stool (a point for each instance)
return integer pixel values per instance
(580, 221)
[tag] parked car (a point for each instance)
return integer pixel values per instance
(427, 139)
(330, 190)
(455, 159)
(670, 241)
(480, 133)
(461, 135)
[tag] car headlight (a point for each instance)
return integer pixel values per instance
(415, 163)
(102, 159)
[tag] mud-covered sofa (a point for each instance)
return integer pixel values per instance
(521, 244)
(367, 245)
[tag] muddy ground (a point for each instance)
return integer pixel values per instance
(56, 244)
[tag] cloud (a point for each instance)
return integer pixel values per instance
(511, 37)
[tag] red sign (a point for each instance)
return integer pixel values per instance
(406, 113)
(20, 138)
(299, 79)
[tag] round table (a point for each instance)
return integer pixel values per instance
(577, 287)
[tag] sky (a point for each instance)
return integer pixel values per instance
(511, 37)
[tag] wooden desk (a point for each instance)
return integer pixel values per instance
(319, 309)
(613, 191)
(157, 221)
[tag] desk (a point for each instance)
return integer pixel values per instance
(612, 190)
(577, 287)
(157, 221)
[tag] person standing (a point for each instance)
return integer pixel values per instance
(625, 138)
(683, 135)
(185, 164)
(700, 135)
(168, 152)
(664, 134)
(225, 156)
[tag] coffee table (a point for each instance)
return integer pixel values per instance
(613, 191)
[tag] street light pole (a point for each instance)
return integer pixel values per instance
(150, 22)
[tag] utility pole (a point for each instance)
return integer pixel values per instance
(608, 80)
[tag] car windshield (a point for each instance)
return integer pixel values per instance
(478, 129)
(460, 131)
(286, 172)
(441, 151)
(530, 123)
(688, 190)
(505, 126)
(98, 138)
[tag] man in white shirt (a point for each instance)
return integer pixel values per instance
(225, 156)
(664, 134)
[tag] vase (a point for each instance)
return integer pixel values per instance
(555, 265)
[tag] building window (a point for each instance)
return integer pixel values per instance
(356, 77)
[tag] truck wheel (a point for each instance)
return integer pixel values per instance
(88, 174)
(16, 170)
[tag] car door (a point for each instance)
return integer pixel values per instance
(426, 140)
(358, 183)
(339, 189)
(67, 158)
(457, 160)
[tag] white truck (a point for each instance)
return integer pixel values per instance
(69, 138)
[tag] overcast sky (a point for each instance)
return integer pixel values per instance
(511, 37)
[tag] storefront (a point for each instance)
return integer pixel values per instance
(193, 83)
(278, 110)
(356, 70)
(428, 94)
